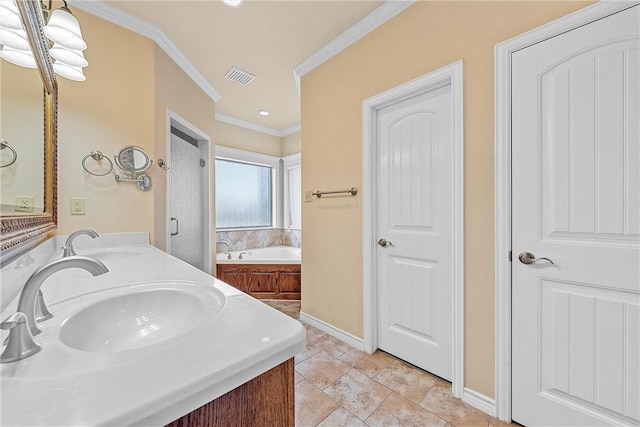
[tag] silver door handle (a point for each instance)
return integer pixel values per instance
(177, 226)
(384, 242)
(529, 258)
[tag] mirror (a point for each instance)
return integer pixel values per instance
(19, 231)
(21, 122)
(134, 161)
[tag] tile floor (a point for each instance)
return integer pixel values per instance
(337, 385)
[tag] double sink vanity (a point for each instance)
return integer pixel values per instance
(153, 341)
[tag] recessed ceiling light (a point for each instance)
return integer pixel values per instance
(264, 112)
(233, 3)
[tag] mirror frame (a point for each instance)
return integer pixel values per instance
(19, 233)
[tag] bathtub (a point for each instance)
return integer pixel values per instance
(271, 255)
(265, 273)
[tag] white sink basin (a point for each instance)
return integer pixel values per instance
(133, 320)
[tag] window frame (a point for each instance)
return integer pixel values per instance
(292, 161)
(258, 159)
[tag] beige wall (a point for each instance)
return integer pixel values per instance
(175, 91)
(425, 37)
(246, 139)
(130, 84)
(111, 109)
(291, 144)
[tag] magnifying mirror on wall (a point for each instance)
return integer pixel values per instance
(133, 161)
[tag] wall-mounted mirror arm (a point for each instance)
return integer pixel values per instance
(133, 161)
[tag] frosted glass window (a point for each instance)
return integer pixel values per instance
(244, 195)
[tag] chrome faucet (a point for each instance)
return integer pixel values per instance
(242, 254)
(68, 245)
(22, 325)
(26, 303)
(228, 253)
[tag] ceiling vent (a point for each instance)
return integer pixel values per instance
(239, 76)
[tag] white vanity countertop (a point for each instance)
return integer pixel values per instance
(153, 385)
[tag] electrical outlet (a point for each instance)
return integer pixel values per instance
(24, 203)
(308, 196)
(77, 206)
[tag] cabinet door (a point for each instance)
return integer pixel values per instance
(239, 279)
(289, 285)
(263, 283)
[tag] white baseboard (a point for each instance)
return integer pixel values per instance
(343, 336)
(479, 401)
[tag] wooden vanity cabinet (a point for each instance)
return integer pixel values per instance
(266, 401)
(263, 281)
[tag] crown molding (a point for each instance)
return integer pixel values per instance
(125, 20)
(257, 128)
(360, 29)
(291, 130)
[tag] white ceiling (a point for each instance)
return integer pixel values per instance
(266, 38)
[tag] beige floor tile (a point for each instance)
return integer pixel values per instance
(406, 380)
(357, 393)
(322, 369)
(297, 377)
(440, 401)
(309, 351)
(368, 364)
(341, 418)
(398, 411)
(312, 405)
(313, 333)
(332, 345)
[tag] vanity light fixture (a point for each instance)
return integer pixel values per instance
(264, 113)
(233, 3)
(14, 46)
(63, 29)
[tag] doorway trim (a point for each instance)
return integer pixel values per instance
(503, 84)
(448, 75)
(175, 120)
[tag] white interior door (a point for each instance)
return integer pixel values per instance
(576, 201)
(414, 216)
(186, 191)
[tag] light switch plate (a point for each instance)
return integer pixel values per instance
(77, 206)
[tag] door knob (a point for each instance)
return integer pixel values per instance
(529, 258)
(384, 242)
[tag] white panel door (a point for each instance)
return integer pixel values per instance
(186, 192)
(576, 191)
(414, 214)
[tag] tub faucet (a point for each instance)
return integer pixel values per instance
(68, 245)
(228, 253)
(27, 301)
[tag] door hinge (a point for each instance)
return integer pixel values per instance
(202, 163)
(510, 256)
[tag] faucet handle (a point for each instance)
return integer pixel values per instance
(20, 343)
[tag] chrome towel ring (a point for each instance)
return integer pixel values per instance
(4, 144)
(97, 156)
